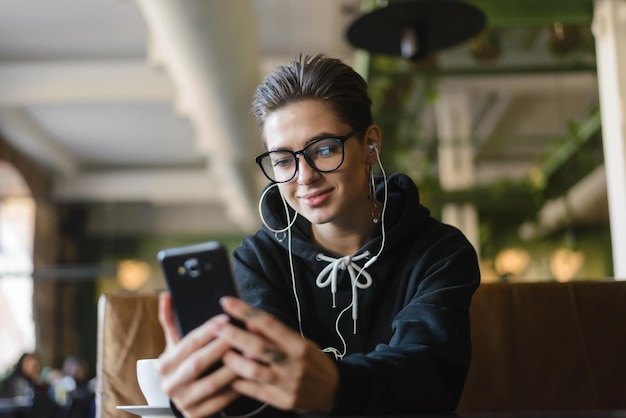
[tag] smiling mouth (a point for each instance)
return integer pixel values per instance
(313, 195)
(316, 198)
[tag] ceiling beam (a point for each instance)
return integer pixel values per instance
(25, 135)
(535, 12)
(26, 83)
(574, 82)
(94, 81)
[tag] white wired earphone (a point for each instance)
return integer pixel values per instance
(373, 147)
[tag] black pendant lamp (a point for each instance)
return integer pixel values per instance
(416, 28)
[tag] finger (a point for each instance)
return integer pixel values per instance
(167, 320)
(190, 344)
(249, 368)
(215, 404)
(262, 323)
(275, 355)
(303, 398)
(194, 365)
(204, 388)
(270, 394)
(253, 346)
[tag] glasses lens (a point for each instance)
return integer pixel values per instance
(279, 166)
(325, 155)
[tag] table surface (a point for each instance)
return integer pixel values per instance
(506, 414)
(548, 414)
(11, 405)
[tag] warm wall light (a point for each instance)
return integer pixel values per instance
(132, 274)
(565, 262)
(511, 262)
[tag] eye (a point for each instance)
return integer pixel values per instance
(281, 160)
(324, 149)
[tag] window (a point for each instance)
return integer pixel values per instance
(17, 219)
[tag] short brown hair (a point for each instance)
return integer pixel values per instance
(317, 77)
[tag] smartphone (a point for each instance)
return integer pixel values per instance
(197, 276)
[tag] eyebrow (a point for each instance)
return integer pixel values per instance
(314, 138)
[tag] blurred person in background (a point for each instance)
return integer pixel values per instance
(74, 391)
(24, 379)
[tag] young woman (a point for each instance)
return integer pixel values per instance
(24, 379)
(355, 299)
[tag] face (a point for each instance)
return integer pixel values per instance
(336, 197)
(31, 366)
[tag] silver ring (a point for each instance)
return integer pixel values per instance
(275, 355)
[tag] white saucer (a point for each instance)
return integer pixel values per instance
(148, 410)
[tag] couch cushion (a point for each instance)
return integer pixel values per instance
(547, 346)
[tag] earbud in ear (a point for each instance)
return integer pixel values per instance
(373, 147)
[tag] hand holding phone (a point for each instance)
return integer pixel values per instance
(197, 276)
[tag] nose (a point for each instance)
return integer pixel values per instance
(306, 174)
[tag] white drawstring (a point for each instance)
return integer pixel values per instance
(328, 276)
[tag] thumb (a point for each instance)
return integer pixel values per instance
(168, 320)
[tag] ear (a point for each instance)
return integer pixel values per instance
(373, 139)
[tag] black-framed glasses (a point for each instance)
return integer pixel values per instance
(323, 155)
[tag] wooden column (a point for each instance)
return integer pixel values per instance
(609, 29)
(456, 160)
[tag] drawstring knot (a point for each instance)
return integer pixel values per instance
(359, 278)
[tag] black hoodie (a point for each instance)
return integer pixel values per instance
(411, 351)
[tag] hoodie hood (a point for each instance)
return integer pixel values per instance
(402, 217)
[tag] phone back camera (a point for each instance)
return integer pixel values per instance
(192, 267)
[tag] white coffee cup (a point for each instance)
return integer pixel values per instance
(149, 381)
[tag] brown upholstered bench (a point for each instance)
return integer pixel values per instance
(536, 346)
(547, 346)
